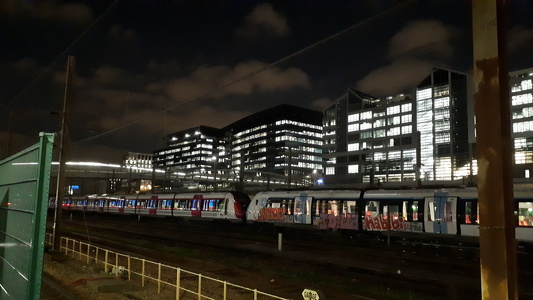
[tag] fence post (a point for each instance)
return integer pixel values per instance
(96, 256)
(80, 251)
(88, 252)
(178, 275)
(116, 262)
(255, 294)
(142, 274)
(129, 267)
(105, 263)
(199, 286)
(225, 290)
(159, 278)
(66, 246)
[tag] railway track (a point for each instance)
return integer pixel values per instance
(50, 290)
(340, 265)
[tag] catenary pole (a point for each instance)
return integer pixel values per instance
(495, 187)
(60, 188)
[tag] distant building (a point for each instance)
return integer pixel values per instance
(138, 162)
(284, 140)
(193, 151)
(369, 140)
(444, 120)
(521, 98)
(281, 142)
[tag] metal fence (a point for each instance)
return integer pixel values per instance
(185, 284)
(24, 184)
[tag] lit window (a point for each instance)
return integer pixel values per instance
(366, 125)
(407, 118)
(406, 107)
(330, 171)
(393, 110)
(353, 147)
(366, 115)
(353, 117)
(379, 133)
(352, 169)
(522, 99)
(423, 94)
(353, 127)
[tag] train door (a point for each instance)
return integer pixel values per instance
(391, 216)
(302, 211)
(441, 214)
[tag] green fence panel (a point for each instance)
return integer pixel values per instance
(24, 187)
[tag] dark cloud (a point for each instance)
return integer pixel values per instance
(519, 36)
(422, 38)
(321, 104)
(263, 21)
(397, 77)
(69, 12)
(209, 78)
(413, 52)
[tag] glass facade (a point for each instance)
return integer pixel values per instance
(521, 98)
(374, 140)
(285, 141)
(442, 120)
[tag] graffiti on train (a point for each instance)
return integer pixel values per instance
(274, 214)
(344, 221)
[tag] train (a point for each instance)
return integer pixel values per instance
(446, 211)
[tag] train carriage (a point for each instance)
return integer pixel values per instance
(449, 211)
(396, 210)
(324, 209)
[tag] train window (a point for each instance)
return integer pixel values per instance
(165, 204)
(287, 205)
(470, 213)
(323, 207)
(525, 214)
(333, 207)
(290, 207)
(391, 210)
(182, 204)
(405, 206)
(416, 211)
(349, 207)
(431, 210)
(448, 212)
(372, 208)
(214, 204)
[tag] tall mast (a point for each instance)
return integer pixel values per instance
(60, 188)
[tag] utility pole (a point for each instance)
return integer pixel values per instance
(497, 240)
(60, 188)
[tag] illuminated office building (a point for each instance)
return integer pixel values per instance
(284, 140)
(401, 138)
(443, 118)
(521, 98)
(369, 140)
(193, 151)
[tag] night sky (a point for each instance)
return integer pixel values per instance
(165, 66)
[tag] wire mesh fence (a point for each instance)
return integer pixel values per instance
(161, 277)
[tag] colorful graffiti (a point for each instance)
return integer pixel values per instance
(272, 214)
(346, 221)
(380, 223)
